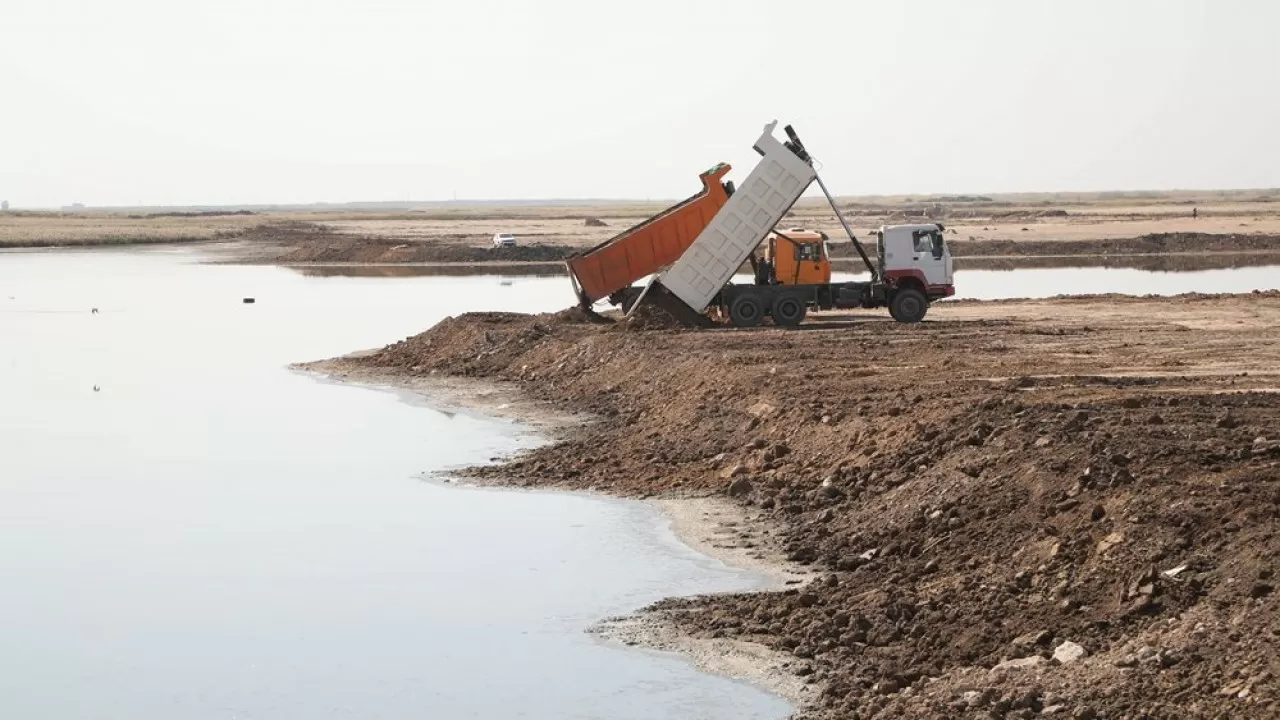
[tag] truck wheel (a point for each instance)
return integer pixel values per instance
(788, 310)
(908, 305)
(746, 311)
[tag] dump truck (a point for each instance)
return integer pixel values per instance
(794, 276)
(912, 268)
(644, 249)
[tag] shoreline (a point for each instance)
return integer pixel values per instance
(704, 524)
(711, 526)
(972, 490)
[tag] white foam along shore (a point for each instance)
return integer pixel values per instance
(712, 526)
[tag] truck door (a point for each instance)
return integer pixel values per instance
(812, 267)
(931, 256)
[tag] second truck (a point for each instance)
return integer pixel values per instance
(693, 251)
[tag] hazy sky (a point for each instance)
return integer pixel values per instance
(252, 101)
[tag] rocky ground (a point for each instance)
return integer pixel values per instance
(1064, 507)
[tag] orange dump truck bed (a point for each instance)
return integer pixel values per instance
(650, 246)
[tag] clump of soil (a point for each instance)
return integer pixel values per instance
(1015, 509)
(576, 314)
(651, 317)
(595, 222)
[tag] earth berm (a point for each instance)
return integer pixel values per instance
(1064, 507)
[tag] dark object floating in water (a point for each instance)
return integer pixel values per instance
(249, 301)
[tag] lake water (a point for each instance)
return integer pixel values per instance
(190, 530)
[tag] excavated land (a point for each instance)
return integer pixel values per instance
(1065, 507)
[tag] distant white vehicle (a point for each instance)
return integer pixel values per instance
(504, 240)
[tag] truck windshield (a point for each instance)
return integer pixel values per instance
(808, 251)
(928, 241)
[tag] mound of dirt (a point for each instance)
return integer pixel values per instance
(1017, 508)
(651, 317)
(576, 314)
(595, 222)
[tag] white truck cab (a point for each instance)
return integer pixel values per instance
(916, 256)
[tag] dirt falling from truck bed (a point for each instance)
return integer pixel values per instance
(1065, 507)
(651, 317)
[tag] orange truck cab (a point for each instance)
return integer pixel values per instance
(795, 257)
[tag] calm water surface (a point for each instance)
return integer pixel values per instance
(210, 535)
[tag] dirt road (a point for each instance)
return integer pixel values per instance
(1062, 507)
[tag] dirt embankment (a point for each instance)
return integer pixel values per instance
(304, 242)
(1066, 507)
(1144, 245)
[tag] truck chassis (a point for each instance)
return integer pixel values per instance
(748, 305)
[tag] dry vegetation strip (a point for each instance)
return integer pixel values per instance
(76, 229)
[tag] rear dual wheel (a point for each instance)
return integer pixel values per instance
(746, 311)
(788, 310)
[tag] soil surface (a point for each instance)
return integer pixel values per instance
(302, 243)
(1064, 507)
